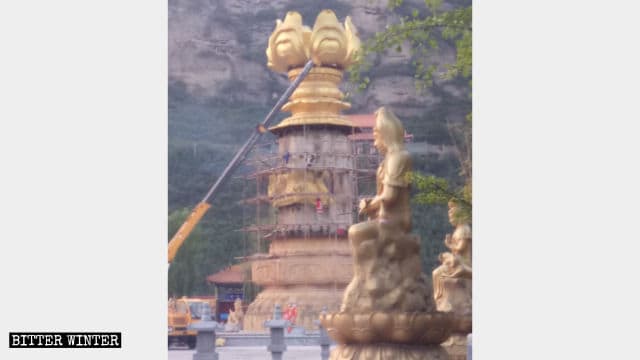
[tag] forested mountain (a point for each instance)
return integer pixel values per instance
(220, 88)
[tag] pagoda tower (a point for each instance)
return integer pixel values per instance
(311, 181)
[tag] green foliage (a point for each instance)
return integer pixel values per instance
(423, 34)
(432, 224)
(433, 190)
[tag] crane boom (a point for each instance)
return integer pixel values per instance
(198, 212)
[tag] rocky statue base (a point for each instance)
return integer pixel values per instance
(387, 310)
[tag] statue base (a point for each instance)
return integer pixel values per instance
(456, 296)
(388, 351)
(417, 329)
(456, 346)
(228, 327)
(309, 301)
(456, 300)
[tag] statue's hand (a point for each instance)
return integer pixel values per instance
(362, 208)
(447, 241)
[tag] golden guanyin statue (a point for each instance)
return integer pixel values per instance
(383, 282)
(388, 311)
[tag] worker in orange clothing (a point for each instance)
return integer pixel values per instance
(291, 313)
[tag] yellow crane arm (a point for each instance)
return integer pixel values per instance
(203, 206)
(186, 228)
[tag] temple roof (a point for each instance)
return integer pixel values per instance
(232, 275)
(363, 120)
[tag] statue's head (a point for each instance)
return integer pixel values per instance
(453, 209)
(388, 133)
(456, 216)
(448, 259)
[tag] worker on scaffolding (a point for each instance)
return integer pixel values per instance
(310, 158)
(319, 208)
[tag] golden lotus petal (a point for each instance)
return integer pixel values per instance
(328, 40)
(401, 331)
(381, 322)
(362, 330)
(419, 323)
(341, 327)
(353, 42)
(287, 44)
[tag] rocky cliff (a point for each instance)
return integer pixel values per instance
(217, 50)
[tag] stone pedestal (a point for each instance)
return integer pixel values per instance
(456, 300)
(276, 327)
(205, 340)
(325, 340)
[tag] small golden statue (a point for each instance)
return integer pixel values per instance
(234, 323)
(455, 265)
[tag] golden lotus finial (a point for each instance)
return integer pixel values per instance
(329, 44)
(287, 47)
